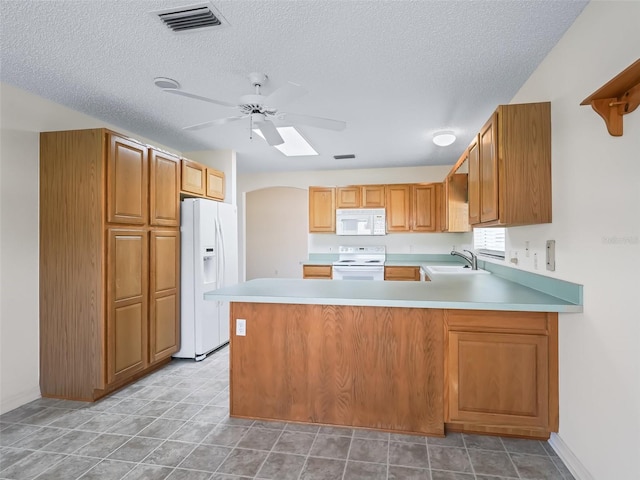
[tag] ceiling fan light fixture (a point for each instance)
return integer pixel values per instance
(444, 138)
(294, 144)
(164, 82)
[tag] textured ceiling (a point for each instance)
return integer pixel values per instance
(395, 71)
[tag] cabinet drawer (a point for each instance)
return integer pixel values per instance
(402, 273)
(494, 321)
(317, 271)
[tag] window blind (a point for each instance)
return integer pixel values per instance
(489, 241)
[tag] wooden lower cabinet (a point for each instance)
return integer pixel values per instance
(402, 273)
(372, 367)
(317, 271)
(127, 303)
(501, 372)
(164, 299)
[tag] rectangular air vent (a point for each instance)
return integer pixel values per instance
(192, 17)
(344, 157)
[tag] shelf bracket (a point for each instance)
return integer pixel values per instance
(618, 97)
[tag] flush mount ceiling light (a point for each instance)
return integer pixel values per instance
(164, 82)
(444, 138)
(294, 144)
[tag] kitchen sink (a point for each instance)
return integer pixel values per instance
(454, 270)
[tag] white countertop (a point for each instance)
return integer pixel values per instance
(467, 292)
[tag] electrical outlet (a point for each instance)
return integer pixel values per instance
(551, 255)
(526, 249)
(241, 327)
(535, 261)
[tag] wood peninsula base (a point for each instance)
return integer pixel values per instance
(405, 370)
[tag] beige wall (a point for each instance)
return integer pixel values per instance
(596, 225)
(276, 232)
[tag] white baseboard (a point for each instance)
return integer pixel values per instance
(17, 400)
(572, 462)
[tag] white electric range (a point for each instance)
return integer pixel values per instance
(360, 263)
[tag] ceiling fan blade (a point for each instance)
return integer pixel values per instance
(283, 95)
(175, 91)
(270, 133)
(211, 123)
(326, 123)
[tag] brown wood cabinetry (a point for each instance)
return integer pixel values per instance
(109, 271)
(322, 209)
(398, 206)
(510, 167)
(201, 181)
(402, 273)
(317, 271)
(424, 212)
(501, 372)
(215, 184)
(360, 196)
(369, 367)
(373, 196)
(347, 197)
(164, 189)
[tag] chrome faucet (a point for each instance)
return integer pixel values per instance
(472, 258)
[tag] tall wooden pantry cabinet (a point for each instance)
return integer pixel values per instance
(109, 261)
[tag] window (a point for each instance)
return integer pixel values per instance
(489, 241)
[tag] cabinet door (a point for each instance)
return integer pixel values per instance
(488, 144)
(215, 184)
(164, 304)
(441, 207)
(398, 208)
(423, 211)
(164, 190)
(322, 209)
(474, 183)
(127, 293)
(193, 177)
(347, 197)
(498, 379)
(373, 196)
(127, 182)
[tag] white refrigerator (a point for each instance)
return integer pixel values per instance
(209, 260)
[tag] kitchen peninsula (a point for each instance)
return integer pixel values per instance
(473, 353)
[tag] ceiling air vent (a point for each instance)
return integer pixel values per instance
(344, 157)
(190, 18)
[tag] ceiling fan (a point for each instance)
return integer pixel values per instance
(261, 110)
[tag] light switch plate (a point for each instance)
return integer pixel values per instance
(551, 255)
(241, 327)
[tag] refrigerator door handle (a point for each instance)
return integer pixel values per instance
(221, 254)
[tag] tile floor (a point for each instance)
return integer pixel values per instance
(174, 425)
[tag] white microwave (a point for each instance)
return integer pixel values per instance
(361, 221)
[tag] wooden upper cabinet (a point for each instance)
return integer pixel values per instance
(164, 302)
(348, 197)
(127, 181)
(398, 206)
(474, 182)
(127, 303)
(373, 196)
(488, 142)
(441, 208)
(215, 184)
(423, 212)
(322, 209)
(510, 173)
(194, 177)
(164, 189)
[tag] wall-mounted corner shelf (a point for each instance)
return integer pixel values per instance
(619, 96)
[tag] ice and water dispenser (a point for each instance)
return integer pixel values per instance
(209, 264)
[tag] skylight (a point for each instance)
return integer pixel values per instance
(294, 144)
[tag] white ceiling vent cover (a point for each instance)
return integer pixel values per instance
(191, 18)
